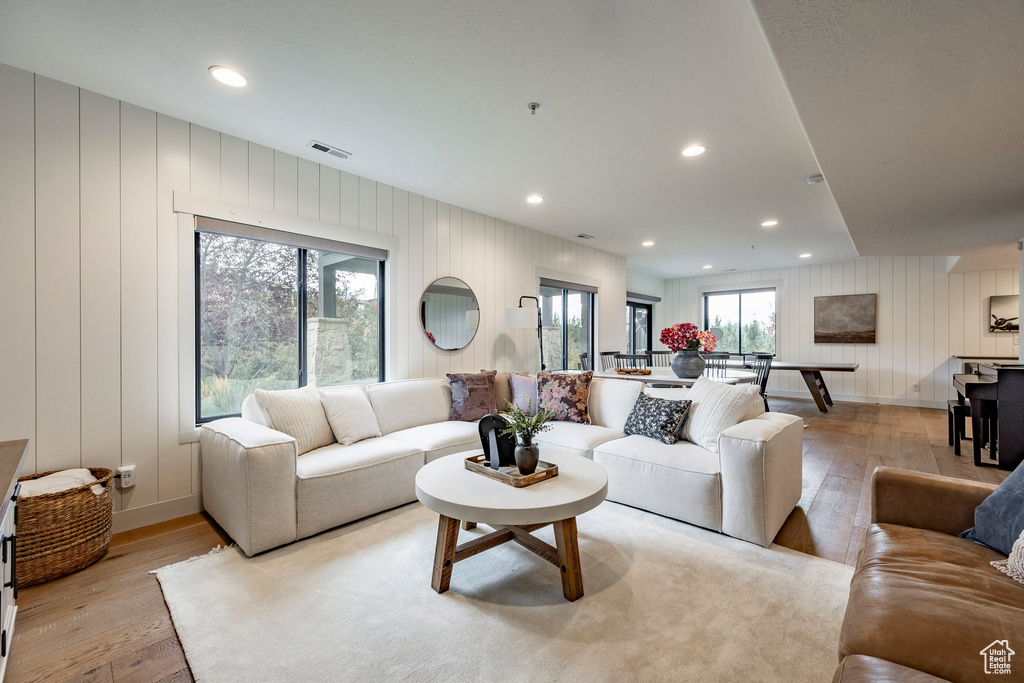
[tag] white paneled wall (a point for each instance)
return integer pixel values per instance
(925, 318)
(93, 268)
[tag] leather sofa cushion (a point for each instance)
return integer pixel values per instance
(929, 601)
(861, 669)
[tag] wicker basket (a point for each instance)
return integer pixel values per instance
(60, 533)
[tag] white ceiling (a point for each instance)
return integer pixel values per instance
(432, 97)
(915, 111)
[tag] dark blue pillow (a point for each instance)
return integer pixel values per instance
(999, 520)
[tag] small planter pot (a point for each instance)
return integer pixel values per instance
(526, 456)
(688, 364)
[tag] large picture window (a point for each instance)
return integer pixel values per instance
(567, 326)
(276, 316)
(746, 318)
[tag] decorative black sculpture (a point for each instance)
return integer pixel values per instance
(491, 440)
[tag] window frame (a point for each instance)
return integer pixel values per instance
(302, 301)
(740, 292)
(631, 307)
(564, 331)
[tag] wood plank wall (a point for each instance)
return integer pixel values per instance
(925, 317)
(94, 264)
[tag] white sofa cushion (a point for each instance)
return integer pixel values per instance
(349, 413)
(338, 484)
(440, 438)
(337, 458)
(715, 407)
(681, 480)
(574, 438)
(299, 414)
(611, 401)
(410, 403)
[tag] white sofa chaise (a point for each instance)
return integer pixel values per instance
(264, 495)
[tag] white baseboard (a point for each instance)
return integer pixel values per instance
(133, 518)
(884, 400)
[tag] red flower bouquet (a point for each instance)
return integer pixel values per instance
(688, 336)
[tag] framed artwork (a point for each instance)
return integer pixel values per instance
(1004, 313)
(845, 319)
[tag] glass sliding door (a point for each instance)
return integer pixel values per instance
(567, 326)
(639, 318)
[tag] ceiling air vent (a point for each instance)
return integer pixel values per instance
(585, 236)
(328, 149)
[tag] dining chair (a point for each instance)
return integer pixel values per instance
(714, 364)
(660, 359)
(632, 361)
(584, 362)
(762, 366)
(608, 360)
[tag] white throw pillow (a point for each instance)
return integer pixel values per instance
(716, 406)
(299, 414)
(350, 414)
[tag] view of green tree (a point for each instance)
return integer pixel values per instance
(248, 319)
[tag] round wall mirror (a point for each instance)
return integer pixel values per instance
(449, 313)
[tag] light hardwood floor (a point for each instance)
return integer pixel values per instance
(109, 622)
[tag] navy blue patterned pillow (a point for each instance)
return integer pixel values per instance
(658, 418)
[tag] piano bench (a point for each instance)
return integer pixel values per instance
(957, 418)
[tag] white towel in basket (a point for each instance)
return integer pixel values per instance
(57, 482)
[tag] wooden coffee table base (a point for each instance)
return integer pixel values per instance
(565, 555)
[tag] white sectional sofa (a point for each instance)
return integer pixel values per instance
(264, 495)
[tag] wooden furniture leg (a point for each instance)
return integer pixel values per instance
(444, 553)
(816, 385)
(468, 525)
(569, 558)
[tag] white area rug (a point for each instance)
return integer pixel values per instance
(664, 601)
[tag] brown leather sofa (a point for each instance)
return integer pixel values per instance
(923, 602)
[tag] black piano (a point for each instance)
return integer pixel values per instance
(996, 394)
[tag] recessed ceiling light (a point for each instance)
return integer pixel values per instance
(648, 243)
(805, 256)
(535, 199)
(707, 267)
(228, 76)
(694, 150)
(769, 224)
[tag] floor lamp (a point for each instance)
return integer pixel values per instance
(526, 319)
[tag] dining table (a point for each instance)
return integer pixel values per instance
(665, 376)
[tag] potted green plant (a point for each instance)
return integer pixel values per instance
(524, 425)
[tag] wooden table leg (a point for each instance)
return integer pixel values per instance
(569, 558)
(468, 525)
(444, 553)
(812, 385)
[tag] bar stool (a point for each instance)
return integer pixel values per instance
(957, 417)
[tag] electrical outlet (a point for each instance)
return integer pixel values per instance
(917, 387)
(127, 476)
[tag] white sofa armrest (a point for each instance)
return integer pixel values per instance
(249, 482)
(762, 475)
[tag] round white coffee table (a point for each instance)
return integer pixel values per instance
(455, 493)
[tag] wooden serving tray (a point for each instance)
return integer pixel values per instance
(510, 475)
(633, 371)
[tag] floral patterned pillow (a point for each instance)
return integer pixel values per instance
(565, 395)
